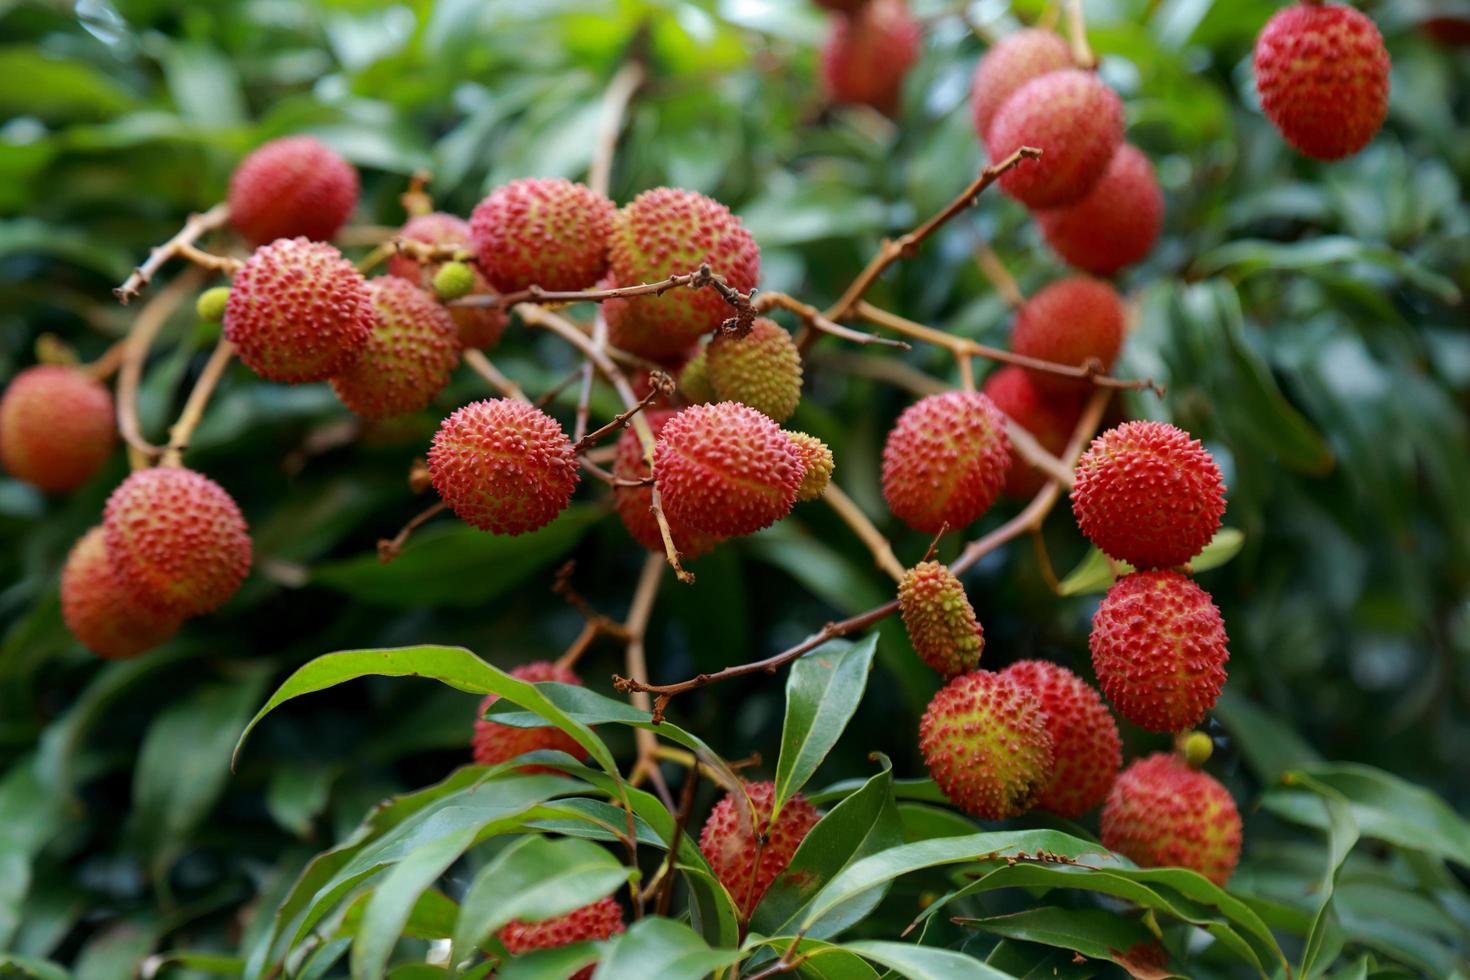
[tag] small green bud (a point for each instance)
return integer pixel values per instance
(211, 304)
(1197, 747)
(453, 280)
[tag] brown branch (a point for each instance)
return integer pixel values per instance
(1033, 452)
(1000, 277)
(107, 365)
(615, 101)
(194, 228)
(390, 548)
(812, 317)
(1043, 561)
(151, 319)
(193, 412)
(853, 516)
(208, 260)
(636, 661)
(701, 278)
(906, 245)
(886, 369)
(1077, 34)
(486, 369)
(660, 386)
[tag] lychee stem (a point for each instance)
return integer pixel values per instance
(1000, 277)
(196, 227)
(189, 418)
(853, 516)
(151, 318)
(486, 369)
(1077, 33)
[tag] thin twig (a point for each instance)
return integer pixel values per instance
(852, 515)
(486, 369)
(702, 278)
(194, 228)
(389, 548)
(1043, 561)
(1000, 277)
(660, 386)
(193, 413)
(615, 100)
(1077, 34)
(1033, 452)
(151, 318)
(106, 365)
(812, 317)
(637, 666)
(208, 260)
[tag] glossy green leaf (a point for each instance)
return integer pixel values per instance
(823, 690)
(1095, 573)
(661, 948)
(925, 962)
(1095, 934)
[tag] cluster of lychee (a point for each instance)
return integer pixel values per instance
(1035, 734)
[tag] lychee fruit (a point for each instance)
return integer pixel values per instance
(635, 504)
(985, 740)
(1163, 814)
(480, 327)
(494, 743)
(726, 469)
(868, 54)
(542, 231)
(694, 382)
(100, 611)
(1050, 417)
(940, 621)
(1072, 321)
(945, 461)
(1012, 62)
(436, 228)
(298, 311)
(817, 464)
(291, 187)
(745, 849)
(1322, 73)
(666, 232)
(1148, 494)
(1077, 123)
(1159, 650)
(761, 369)
(503, 466)
(1116, 224)
(408, 359)
(176, 540)
(56, 427)
(1088, 750)
(602, 919)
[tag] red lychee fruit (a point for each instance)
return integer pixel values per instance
(726, 469)
(56, 427)
(495, 743)
(299, 311)
(1077, 123)
(945, 461)
(1159, 649)
(480, 327)
(289, 188)
(409, 357)
(940, 621)
(635, 504)
(503, 466)
(1118, 221)
(1163, 814)
(1148, 494)
(1012, 62)
(1071, 321)
(100, 611)
(176, 540)
(868, 54)
(733, 835)
(1088, 750)
(761, 369)
(602, 919)
(1049, 416)
(542, 231)
(985, 740)
(667, 232)
(817, 464)
(1322, 73)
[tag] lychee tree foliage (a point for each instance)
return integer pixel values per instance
(786, 615)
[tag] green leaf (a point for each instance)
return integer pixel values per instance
(1342, 834)
(1094, 933)
(925, 962)
(549, 964)
(30, 966)
(395, 897)
(822, 692)
(1269, 744)
(55, 89)
(1094, 573)
(457, 565)
(662, 948)
(1250, 256)
(535, 878)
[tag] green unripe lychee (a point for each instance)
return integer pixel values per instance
(940, 621)
(694, 379)
(453, 280)
(817, 458)
(761, 369)
(211, 304)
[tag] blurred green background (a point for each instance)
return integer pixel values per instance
(1308, 320)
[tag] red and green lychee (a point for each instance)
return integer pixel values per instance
(945, 461)
(746, 849)
(939, 619)
(413, 349)
(1088, 750)
(56, 427)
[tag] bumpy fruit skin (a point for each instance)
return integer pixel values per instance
(602, 919)
(635, 504)
(761, 369)
(436, 228)
(816, 462)
(1116, 224)
(940, 621)
(1148, 494)
(503, 466)
(731, 844)
(1071, 321)
(299, 311)
(56, 427)
(945, 461)
(985, 740)
(868, 54)
(480, 327)
(1163, 814)
(1050, 417)
(1010, 63)
(1088, 750)
(1077, 123)
(1322, 73)
(100, 611)
(666, 232)
(494, 743)
(291, 187)
(541, 231)
(177, 540)
(725, 469)
(409, 357)
(1159, 649)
